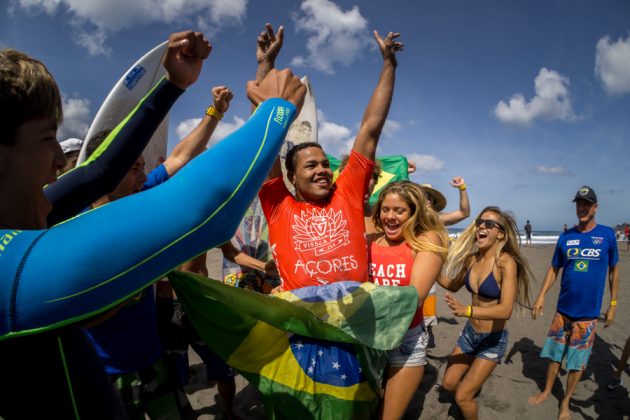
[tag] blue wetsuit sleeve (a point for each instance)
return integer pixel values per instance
(156, 177)
(88, 264)
(101, 173)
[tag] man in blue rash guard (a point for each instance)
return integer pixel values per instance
(127, 341)
(52, 279)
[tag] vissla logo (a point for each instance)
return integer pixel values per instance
(320, 231)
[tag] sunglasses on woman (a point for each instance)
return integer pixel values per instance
(488, 223)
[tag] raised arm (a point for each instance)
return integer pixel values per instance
(126, 249)
(268, 46)
(197, 140)
(457, 216)
(378, 108)
(77, 189)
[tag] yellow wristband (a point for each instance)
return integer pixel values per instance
(613, 303)
(462, 187)
(468, 311)
(212, 112)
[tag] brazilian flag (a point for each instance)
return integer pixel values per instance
(314, 353)
(394, 168)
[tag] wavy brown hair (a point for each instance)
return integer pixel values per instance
(421, 220)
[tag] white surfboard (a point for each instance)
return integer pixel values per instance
(252, 235)
(123, 98)
(303, 129)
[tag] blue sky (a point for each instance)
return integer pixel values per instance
(526, 100)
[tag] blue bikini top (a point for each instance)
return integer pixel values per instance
(489, 288)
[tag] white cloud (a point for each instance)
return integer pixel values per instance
(335, 139)
(223, 130)
(186, 126)
(335, 36)
(76, 118)
(426, 163)
(612, 65)
(553, 170)
(552, 102)
(94, 42)
(94, 20)
(226, 128)
(391, 128)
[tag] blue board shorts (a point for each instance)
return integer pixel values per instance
(412, 351)
(490, 346)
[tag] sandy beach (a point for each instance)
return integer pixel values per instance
(504, 396)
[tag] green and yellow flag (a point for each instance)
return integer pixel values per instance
(313, 353)
(394, 168)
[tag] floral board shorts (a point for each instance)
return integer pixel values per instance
(571, 338)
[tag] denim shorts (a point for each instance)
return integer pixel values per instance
(412, 350)
(490, 346)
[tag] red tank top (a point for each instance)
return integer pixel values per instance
(391, 266)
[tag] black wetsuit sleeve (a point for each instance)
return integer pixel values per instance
(99, 175)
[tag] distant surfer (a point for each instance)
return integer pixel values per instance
(528, 234)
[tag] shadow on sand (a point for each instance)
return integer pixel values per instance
(607, 404)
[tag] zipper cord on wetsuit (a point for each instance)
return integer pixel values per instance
(65, 368)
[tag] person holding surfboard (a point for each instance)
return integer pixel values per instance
(44, 294)
(318, 236)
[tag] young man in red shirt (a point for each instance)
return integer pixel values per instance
(318, 236)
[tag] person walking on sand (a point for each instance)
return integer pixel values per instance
(585, 253)
(528, 234)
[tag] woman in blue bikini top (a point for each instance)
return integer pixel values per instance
(487, 260)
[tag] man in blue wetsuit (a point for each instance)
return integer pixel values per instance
(585, 253)
(127, 338)
(53, 279)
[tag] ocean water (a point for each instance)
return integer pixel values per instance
(539, 237)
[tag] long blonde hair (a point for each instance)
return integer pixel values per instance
(464, 249)
(422, 219)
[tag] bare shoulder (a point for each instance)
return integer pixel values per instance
(507, 262)
(430, 237)
(506, 259)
